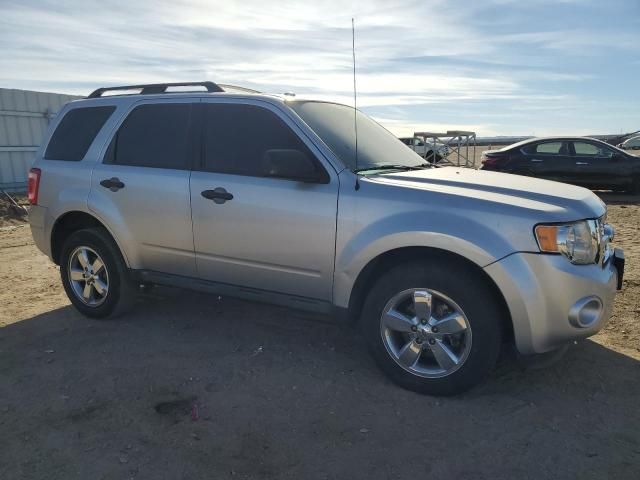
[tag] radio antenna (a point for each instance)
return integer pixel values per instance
(355, 102)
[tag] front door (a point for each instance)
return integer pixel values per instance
(599, 166)
(271, 234)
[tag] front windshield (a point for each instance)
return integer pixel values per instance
(377, 147)
(632, 142)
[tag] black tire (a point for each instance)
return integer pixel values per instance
(470, 291)
(121, 290)
(432, 157)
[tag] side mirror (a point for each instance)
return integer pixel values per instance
(290, 164)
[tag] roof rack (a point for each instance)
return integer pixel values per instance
(227, 87)
(151, 88)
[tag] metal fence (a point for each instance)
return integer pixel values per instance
(24, 119)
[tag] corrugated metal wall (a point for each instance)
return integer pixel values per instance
(24, 118)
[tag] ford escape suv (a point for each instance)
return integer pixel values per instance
(268, 198)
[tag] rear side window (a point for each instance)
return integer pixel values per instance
(155, 136)
(236, 138)
(549, 148)
(75, 133)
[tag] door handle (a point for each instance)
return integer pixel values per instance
(114, 184)
(536, 160)
(582, 163)
(218, 195)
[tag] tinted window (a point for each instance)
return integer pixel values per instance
(153, 136)
(237, 137)
(589, 149)
(549, 147)
(75, 133)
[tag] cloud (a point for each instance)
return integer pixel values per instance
(511, 57)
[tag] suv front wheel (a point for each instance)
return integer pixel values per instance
(433, 328)
(94, 274)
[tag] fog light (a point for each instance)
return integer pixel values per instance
(585, 312)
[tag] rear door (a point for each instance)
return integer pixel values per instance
(141, 188)
(271, 234)
(548, 159)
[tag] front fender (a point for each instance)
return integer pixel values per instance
(447, 232)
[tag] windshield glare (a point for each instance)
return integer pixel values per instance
(377, 147)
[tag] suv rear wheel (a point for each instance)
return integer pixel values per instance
(433, 328)
(94, 274)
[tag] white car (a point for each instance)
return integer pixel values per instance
(632, 143)
(426, 149)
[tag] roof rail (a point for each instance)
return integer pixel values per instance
(228, 86)
(151, 88)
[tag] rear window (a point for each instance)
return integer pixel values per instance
(75, 133)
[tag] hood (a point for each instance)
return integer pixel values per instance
(540, 200)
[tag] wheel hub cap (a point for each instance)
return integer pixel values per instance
(88, 276)
(425, 332)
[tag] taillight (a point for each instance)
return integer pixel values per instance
(489, 160)
(33, 185)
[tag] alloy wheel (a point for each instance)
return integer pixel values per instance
(425, 332)
(88, 276)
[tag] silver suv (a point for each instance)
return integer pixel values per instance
(269, 199)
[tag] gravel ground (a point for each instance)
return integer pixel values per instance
(191, 386)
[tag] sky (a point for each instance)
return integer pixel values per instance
(497, 67)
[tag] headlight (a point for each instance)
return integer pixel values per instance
(578, 241)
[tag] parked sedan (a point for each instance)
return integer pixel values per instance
(632, 143)
(578, 160)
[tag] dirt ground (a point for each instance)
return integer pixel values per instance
(191, 386)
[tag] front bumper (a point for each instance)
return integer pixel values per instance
(553, 301)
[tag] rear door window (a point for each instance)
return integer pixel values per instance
(547, 148)
(154, 135)
(75, 133)
(552, 148)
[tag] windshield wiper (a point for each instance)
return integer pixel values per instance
(393, 167)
